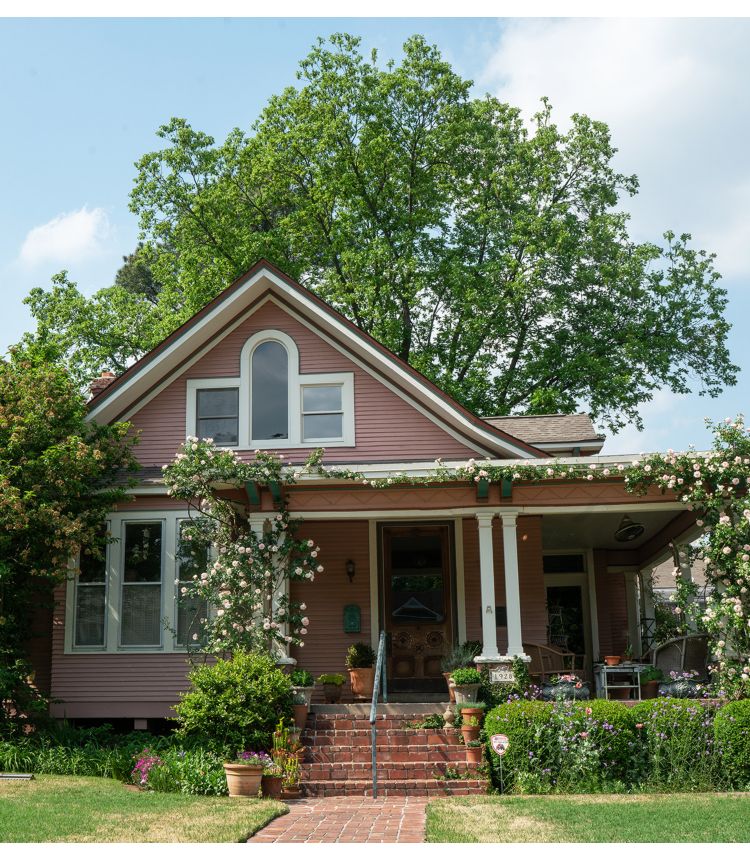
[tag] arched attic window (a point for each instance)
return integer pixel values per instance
(269, 392)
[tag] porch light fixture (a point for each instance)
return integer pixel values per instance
(350, 570)
(628, 530)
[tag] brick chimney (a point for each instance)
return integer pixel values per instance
(101, 382)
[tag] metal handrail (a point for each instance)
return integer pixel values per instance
(380, 673)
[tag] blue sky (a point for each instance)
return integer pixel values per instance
(81, 100)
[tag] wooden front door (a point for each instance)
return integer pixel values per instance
(418, 603)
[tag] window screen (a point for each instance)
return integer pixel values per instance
(322, 412)
(218, 415)
(192, 560)
(90, 602)
(141, 585)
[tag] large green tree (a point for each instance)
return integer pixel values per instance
(57, 482)
(492, 255)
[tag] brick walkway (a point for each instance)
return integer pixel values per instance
(348, 819)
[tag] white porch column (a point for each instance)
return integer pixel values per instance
(487, 582)
(634, 616)
(512, 588)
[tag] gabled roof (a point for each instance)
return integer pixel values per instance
(557, 429)
(147, 376)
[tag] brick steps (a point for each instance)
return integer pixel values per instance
(395, 787)
(337, 755)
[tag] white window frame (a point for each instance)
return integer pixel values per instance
(155, 520)
(295, 381)
(71, 602)
(113, 587)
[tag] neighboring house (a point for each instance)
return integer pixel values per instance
(267, 365)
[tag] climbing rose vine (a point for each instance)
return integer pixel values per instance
(243, 578)
(714, 485)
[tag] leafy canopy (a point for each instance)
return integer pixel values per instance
(491, 255)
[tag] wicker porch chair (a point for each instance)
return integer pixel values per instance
(546, 661)
(683, 654)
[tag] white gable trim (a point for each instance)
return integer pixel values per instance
(213, 327)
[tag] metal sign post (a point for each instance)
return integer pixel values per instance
(499, 744)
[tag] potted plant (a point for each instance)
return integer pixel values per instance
(612, 660)
(472, 709)
(286, 754)
(460, 657)
(244, 773)
(469, 728)
(474, 751)
(270, 784)
(299, 703)
(565, 687)
(359, 661)
(467, 683)
(650, 682)
(303, 682)
(332, 684)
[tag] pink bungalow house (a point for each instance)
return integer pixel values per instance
(268, 365)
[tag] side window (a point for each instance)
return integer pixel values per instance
(90, 596)
(270, 391)
(141, 584)
(322, 412)
(192, 560)
(217, 415)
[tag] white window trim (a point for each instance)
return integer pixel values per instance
(295, 382)
(113, 588)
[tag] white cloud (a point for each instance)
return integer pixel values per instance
(68, 238)
(673, 92)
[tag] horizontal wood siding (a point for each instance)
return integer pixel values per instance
(386, 427)
(611, 605)
(326, 643)
(531, 580)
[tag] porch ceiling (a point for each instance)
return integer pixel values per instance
(597, 530)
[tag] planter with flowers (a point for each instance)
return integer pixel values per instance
(565, 687)
(299, 703)
(466, 684)
(360, 659)
(271, 782)
(332, 684)
(460, 657)
(303, 682)
(682, 685)
(244, 773)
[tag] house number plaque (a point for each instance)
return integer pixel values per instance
(501, 676)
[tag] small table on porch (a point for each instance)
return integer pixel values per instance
(626, 676)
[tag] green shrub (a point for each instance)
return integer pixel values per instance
(466, 676)
(678, 740)
(732, 737)
(301, 678)
(523, 722)
(234, 705)
(332, 678)
(360, 656)
(188, 772)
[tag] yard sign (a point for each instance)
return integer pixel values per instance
(499, 744)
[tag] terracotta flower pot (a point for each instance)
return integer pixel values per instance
(300, 716)
(649, 689)
(472, 712)
(474, 755)
(612, 660)
(271, 785)
(289, 793)
(451, 687)
(362, 681)
(470, 733)
(243, 780)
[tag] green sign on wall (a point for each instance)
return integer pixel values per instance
(352, 619)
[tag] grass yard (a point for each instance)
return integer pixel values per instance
(591, 818)
(90, 809)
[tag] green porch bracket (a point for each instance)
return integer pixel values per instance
(483, 490)
(275, 489)
(506, 488)
(253, 492)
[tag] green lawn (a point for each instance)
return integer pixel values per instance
(592, 818)
(90, 809)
